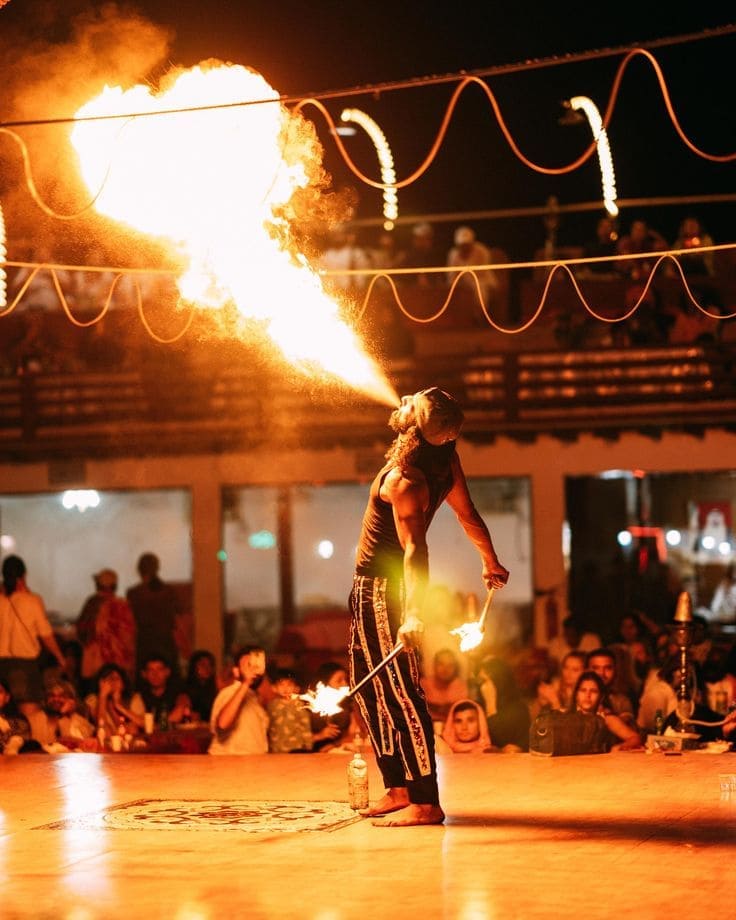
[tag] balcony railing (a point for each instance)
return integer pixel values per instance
(198, 409)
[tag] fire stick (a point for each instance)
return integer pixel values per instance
(379, 667)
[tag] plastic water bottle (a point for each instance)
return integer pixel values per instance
(358, 782)
(658, 722)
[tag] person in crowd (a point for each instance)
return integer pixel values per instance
(698, 711)
(113, 705)
(332, 674)
(24, 631)
(422, 470)
(423, 252)
(14, 727)
(692, 235)
(162, 693)
(574, 638)
(641, 238)
(106, 629)
(589, 697)
(289, 724)
(603, 662)
(385, 254)
(466, 729)
(658, 695)
(469, 251)
(637, 637)
(723, 602)
(239, 723)
(506, 712)
(604, 244)
(60, 721)
(443, 686)
(701, 640)
(557, 693)
(156, 609)
(344, 253)
(201, 684)
(719, 685)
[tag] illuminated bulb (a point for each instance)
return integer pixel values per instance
(624, 538)
(709, 542)
(605, 160)
(724, 548)
(81, 499)
(673, 537)
(7, 543)
(385, 160)
(325, 549)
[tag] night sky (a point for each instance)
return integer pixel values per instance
(307, 48)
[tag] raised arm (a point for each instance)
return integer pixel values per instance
(494, 574)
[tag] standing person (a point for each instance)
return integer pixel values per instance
(391, 576)
(106, 629)
(155, 607)
(24, 630)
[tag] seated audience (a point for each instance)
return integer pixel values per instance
(443, 686)
(640, 239)
(506, 712)
(557, 693)
(466, 730)
(289, 724)
(604, 244)
(590, 697)
(603, 662)
(60, 721)
(239, 723)
(332, 674)
(699, 711)
(162, 694)
(14, 728)
(113, 705)
(201, 684)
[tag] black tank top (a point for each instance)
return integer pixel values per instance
(379, 549)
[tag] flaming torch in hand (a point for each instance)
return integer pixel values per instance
(471, 634)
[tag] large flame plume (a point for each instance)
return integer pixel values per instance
(216, 185)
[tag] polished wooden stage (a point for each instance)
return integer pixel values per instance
(595, 837)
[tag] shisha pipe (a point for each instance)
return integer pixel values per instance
(471, 634)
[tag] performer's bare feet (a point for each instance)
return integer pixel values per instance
(411, 816)
(393, 799)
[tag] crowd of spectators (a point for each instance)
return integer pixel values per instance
(350, 255)
(113, 688)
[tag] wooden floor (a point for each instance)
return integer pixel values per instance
(616, 835)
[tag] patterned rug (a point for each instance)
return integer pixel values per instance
(214, 815)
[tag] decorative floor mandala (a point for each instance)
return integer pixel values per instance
(251, 817)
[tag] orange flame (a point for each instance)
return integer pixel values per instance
(214, 185)
(325, 700)
(470, 634)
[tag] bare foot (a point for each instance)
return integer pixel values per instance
(411, 816)
(392, 800)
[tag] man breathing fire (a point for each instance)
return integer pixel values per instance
(391, 577)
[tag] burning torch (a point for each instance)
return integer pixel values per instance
(326, 701)
(471, 634)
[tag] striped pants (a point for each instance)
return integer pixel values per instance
(392, 704)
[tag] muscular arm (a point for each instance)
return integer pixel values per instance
(494, 574)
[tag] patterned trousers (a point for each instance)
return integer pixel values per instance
(392, 704)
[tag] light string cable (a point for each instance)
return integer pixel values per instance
(34, 268)
(565, 266)
(464, 82)
(536, 167)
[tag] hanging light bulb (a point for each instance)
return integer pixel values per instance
(385, 160)
(605, 160)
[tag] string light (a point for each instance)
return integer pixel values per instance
(3, 257)
(385, 160)
(600, 135)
